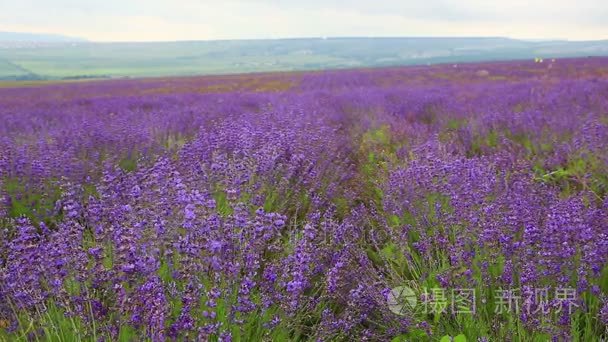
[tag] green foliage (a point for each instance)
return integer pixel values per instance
(396, 259)
(582, 172)
(377, 149)
(127, 333)
(454, 124)
(414, 334)
(224, 207)
(483, 143)
(172, 142)
(271, 201)
(51, 325)
(128, 164)
(37, 204)
(457, 338)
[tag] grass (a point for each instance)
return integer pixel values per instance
(57, 68)
(35, 203)
(228, 57)
(10, 70)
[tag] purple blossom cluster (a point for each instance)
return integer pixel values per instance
(287, 206)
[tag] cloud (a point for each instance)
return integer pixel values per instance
(147, 20)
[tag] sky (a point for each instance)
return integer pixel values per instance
(164, 20)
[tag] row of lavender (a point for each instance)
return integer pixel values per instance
(191, 209)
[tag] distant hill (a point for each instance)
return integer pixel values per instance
(36, 37)
(75, 59)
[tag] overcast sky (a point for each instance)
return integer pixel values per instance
(150, 20)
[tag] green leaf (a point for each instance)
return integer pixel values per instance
(416, 334)
(497, 268)
(394, 220)
(399, 338)
(222, 204)
(164, 272)
(460, 338)
(446, 338)
(374, 257)
(542, 338)
(128, 164)
(127, 333)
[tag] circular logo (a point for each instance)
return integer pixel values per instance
(401, 300)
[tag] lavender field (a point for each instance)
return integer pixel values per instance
(460, 202)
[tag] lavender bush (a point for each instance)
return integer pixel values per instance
(291, 206)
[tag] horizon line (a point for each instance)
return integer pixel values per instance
(86, 40)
